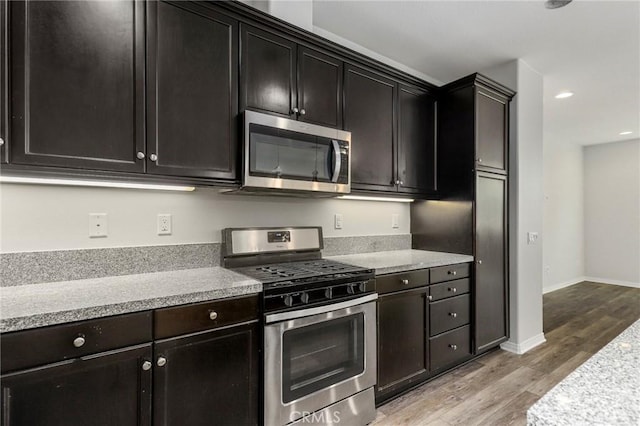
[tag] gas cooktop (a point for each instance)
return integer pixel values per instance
(293, 271)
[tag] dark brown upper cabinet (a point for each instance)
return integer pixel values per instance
(4, 98)
(369, 114)
(416, 140)
(192, 91)
(268, 72)
(491, 130)
(77, 84)
(281, 77)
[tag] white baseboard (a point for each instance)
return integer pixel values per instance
(526, 346)
(558, 286)
(612, 282)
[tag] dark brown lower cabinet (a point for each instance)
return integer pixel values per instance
(106, 389)
(208, 378)
(491, 291)
(403, 337)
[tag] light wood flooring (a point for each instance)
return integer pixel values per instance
(498, 388)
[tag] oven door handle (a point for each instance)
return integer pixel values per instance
(337, 160)
(319, 309)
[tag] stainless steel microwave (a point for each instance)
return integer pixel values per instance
(284, 154)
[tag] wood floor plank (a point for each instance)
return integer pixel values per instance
(499, 387)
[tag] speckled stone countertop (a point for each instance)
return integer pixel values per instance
(37, 305)
(605, 390)
(387, 262)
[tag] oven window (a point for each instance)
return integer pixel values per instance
(319, 355)
(281, 153)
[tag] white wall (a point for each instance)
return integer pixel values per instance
(563, 242)
(612, 212)
(525, 203)
(35, 217)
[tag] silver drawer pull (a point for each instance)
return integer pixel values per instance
(430, 297)
(453, 289)
(162, 361)
(213, 315)
(453, 314)
(79, 341)
(405, 282)
(146, 366)
(454, 347)
(454, 273)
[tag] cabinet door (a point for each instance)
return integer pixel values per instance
(491, 130)
(319, 88)
(4, 94)
(268, 72)
(209, 378)
(491, 289)
(369, 115)
(192, 91)
(107, 389)
(77, 75)
(403, 335)
(416, 140)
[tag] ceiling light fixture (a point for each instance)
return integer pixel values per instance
(93, 183)
(555, 4)
(625, 133)
(365, 198)
(563, 95)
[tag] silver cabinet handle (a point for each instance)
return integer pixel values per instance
(295, 110)
(454, 347)
(453, 314)
(303, 112)
(430, 297)
(453, 289)
(153, 157)
(146, 366)
(79, 341)
(405, 282)
(479, 262)
(161, 362)
(213, 315)
(454, 273)
(1, 141)
(140, 155)
(397, 181)
(401, 182)
(479, 160)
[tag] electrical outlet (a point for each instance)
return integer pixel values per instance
(337, 221)
(98, 225)
(164, 224)
(532, 237)
(395, 221)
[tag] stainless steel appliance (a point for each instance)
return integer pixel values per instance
(320, 326)
(283, 154)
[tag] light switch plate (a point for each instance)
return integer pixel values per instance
(98, 225)
(337, 221)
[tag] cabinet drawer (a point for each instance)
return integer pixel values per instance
(449, 289)
(30, 348)
(449, 314)
(449, 272)
(169, 322)
(402, 281)
(448, 348)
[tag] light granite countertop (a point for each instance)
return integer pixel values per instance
(37, 305)
(387, 262)
(605, 390)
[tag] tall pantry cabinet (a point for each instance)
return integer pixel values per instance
(470, 215)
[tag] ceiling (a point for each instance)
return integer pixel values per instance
(591, 48)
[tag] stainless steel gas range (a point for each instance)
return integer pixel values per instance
(320, 326)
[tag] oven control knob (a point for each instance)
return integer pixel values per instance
(288, 300)
(328, 293)
(351, 289)
(362, 287)
(304, 297)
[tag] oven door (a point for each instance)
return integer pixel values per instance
(318, 356)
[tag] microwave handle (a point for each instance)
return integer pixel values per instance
(337, 160)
